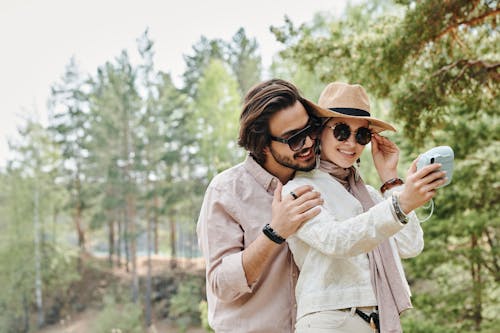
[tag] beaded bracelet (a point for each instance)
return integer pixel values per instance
(390, 184)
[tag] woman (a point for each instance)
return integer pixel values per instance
(349, 255)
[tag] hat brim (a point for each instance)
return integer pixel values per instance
(375, 124)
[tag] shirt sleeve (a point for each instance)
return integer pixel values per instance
(409, 240)
(350, 237)
(220, 238)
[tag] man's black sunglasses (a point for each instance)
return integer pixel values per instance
(343, 132)
(297, 141)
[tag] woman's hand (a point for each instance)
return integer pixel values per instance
(420, 186)
(385, 155)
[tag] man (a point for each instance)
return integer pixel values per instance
(250, 272)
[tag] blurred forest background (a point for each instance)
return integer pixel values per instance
(91, 203)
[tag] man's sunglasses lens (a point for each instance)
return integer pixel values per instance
(298, 140)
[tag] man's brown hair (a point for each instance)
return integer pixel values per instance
(260, 103)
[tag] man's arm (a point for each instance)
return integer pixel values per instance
(232, 270)
(288, 215)
(220, 238)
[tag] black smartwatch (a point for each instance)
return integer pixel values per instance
(272, 235)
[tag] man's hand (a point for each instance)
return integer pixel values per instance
(290, 211)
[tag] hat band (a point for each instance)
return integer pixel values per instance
(351, 112)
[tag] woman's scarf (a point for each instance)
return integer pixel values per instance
(390, 291)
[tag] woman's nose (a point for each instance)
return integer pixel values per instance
(351, 139)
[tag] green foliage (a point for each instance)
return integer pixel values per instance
(124, 317)
(125, 147)
(307, 81)
(204, 52)
(215, 119)
(423, 325)
(185, 304)
(435, 65)
(244, 60)
(203, 307)
(125, 151)
(240, 54)
(32, 261)
(69, 105)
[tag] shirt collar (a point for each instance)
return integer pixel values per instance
(261, 175)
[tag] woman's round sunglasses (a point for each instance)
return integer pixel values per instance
(343, 132)
(297, 141)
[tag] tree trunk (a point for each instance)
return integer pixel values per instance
(133, 248)
(111, 239)
(120, 239)
(38, 273)
(155, 222)
(55, 215)
(26, 314)
(126, 240)
(78, 213)
(148, 279)
(476, 283)
(173, 240)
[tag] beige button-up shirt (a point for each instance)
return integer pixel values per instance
(236, 206)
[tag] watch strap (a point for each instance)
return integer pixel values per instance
(272, 235)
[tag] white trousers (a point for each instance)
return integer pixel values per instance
(332, 321)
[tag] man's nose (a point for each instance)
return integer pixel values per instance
(309, 141)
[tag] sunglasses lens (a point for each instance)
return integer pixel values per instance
(341, 132)
(363, 135)
(297, 141)
(315, 131)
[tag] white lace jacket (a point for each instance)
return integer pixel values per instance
(331, 249)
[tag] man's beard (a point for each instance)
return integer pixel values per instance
(291, 163)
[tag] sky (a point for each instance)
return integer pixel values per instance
(38, 38)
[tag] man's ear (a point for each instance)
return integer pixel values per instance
(266, 150)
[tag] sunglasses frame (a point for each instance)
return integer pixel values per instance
(357, 135)
(311, 130)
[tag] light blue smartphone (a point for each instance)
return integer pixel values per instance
(441, 154)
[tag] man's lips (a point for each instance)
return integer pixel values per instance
(305, 153)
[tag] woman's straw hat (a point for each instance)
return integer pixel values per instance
(340, 99)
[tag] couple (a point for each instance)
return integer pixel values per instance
(346, 238)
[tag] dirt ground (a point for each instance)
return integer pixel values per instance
(81, 322)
